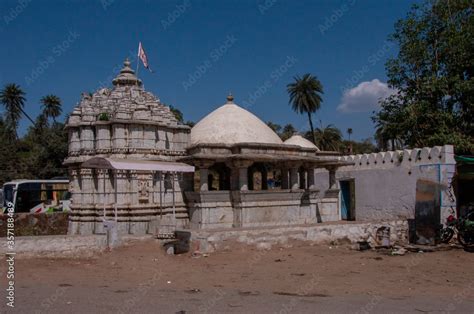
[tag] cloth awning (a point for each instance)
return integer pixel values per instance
(134, 164)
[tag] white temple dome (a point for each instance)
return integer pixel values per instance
(298, 140)
(231, 124)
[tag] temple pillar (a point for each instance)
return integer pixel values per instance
(203, 179)
(311, 178)
(332, 177)
(239, 176)
(294, 180)
(302, 174)
(309, 175)
(234, 178)
(203, 166)
(294, 176)
(243, 179)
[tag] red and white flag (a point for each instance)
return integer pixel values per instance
(142, 56)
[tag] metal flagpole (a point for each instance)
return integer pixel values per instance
(138, 62)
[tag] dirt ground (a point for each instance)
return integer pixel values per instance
(141, 278)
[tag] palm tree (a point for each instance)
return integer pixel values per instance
(51, 105)
(349, 132)
(328, 138)
(13, 100)
(275, 127)
(305, 97)
(41, 122)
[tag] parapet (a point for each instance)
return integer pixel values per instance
(404, 158)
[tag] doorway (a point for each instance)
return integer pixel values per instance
(347, 199)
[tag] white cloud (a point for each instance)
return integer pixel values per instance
(364, 97)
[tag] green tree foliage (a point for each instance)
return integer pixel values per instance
(47, 149)
(327, 138)
(13, 100)
(275, 127)
(51, 106)
(40, 153)
(287, 132)
(177, 114)
(349, 133)
(180, 117)
(306, 97)
(365, 146)
(434, 76)
(283, 132)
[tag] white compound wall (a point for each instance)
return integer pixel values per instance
(385, 182)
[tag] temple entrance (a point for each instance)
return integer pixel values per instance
(347, 199)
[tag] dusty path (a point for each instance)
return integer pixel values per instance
(303, 279)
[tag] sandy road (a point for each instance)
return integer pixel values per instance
(140, 278)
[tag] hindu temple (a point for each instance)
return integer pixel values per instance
(133, 164)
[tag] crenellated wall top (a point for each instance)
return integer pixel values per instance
(407, 157)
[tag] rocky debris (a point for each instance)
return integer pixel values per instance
(399, 251)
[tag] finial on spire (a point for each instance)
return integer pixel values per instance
(230, 98)
(126, 76)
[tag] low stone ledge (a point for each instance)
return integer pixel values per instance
(322, 233)
(62, 246)
(57, 246)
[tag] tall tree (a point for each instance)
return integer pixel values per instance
(327, 138)
(433, 74)
(349, 133)
(275, 127)
(287, 132)
(13, 100)
(8, 159)
(51, 106)
(363, 147)
(306, 97)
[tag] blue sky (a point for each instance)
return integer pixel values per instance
(201, 50)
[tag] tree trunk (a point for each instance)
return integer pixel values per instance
(312, 128)
(26, 115)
